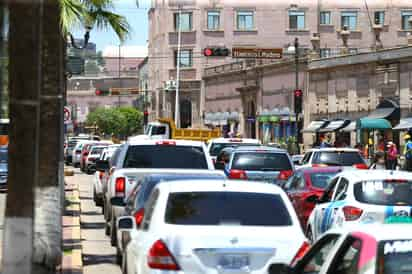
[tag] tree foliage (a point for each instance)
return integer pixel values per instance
(122, 122)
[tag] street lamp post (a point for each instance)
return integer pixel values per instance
(179, 37)
(295, 50)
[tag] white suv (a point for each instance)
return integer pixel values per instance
(346, 157)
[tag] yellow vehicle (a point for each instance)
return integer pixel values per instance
(165, 128)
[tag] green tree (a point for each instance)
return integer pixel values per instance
(122, 122)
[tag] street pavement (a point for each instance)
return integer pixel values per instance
(98, 254)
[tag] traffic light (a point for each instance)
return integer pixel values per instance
(212, 52)
(145, 117)
(298, 100)
(100, 92)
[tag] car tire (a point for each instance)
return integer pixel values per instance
(118, 256)
(113, 232)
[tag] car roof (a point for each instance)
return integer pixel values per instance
(142, 142)
(185, 175)
(220, 185)
(356, 175)
(380, 232)
(258, 149)
(234, 140)
(333, 149)
(310, 170)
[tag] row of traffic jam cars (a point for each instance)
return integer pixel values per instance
(168, 209)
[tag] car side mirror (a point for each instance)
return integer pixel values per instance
(312, 199)
(117, 201)
(280, 269)
(220, 165)
(102, 165)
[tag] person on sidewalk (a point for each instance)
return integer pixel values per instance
(378, 161)
(392, 156)
(407, 152)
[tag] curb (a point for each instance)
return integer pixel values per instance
(72, 246)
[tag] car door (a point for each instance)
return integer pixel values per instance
(323, 209)
(338, 201)
(295, 193)
(346, 260)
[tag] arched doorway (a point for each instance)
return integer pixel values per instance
(185, 113)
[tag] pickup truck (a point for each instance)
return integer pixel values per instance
(166, 129)
(138, 158)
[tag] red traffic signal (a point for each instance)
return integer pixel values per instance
(298, 93)
(298, 100)
(211, 52)
(100, 92)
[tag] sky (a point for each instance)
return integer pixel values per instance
(137, 18)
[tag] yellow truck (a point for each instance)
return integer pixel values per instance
(165, 128)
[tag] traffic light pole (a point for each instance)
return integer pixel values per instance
(297, 122)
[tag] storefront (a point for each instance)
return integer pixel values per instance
(277, 126)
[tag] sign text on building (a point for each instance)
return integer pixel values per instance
(273, 53)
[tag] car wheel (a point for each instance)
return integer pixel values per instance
(113, 232)
(118, 256)
(124, 264)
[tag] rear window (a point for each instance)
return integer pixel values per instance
(237, 208)
(396, 256)
(158, 130)
(165, 156)
(337, 158)
(216, 148)
(384, 193)
(321, 180)
(269, 161)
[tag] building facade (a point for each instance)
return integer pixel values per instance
(263, 24)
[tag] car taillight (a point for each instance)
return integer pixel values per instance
(159, 257)
(138, 217)
(301, 252)
(237, 174)
(166, 143)
(120, 186)
(285, 174)
(101, 174)
(352, 213)
(360, 166)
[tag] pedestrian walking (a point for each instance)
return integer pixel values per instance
(392, 156)
(407, 152)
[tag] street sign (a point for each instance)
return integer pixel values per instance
(257, 53)
(67, 115)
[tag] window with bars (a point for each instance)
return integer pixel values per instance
(213, 20)
(245, 20)
(186, 58)
(379, 17)
(185, 21)
(325, 18)
(405, 15)
(349, 19)
(297, 20)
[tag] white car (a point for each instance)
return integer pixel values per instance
(214, 146)
(213, 226)
(346, 157)
(77, 152)
(94, 154)
(138, 158)
(383, 249)
(361, 197)
(99, 176)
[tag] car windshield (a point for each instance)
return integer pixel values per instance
(236, 208)
(261, 161)
(215, 148)
(337, 158)
(165, 156)
(396, 256)
(321, 179)
(379, 192)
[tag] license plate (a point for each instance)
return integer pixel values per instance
(233, 261)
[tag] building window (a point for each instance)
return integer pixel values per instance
(379, 18)
(405, 19)
(325, 52)
(325, 18)
(245, 20)
(185, 21)
(186, 58)
(349, 19)
(297, 20)
(213, 20)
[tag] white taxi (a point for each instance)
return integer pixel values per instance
(361, 250)
(214, 146)
(361, 196)
(345, 157)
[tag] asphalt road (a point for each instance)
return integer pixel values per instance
(98, 254)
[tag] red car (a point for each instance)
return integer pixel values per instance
(306, 186)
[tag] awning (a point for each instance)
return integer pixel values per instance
(370, 123)
(381, 113)
(335, 125)
(404, 124)
(350, 127)
(314, 126)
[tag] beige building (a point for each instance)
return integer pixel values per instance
(254, 24)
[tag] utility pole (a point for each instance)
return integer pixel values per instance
(120, 81)
(179, 42)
